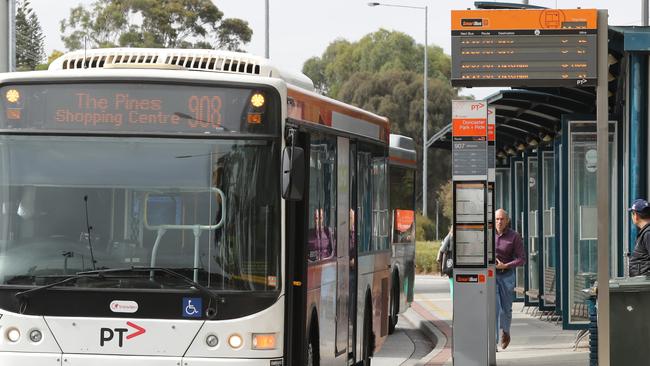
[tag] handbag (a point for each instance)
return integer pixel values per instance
(447, 263)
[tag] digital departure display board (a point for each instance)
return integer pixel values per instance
(518, 48)
(137, 108)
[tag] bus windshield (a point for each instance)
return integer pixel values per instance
(208, 209)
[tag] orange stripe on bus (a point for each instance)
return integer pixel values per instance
(319, 110)
(402, 160)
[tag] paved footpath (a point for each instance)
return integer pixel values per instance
(534, 342)
(407, 346)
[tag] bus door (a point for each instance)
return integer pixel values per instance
(352, 300)
(297, 213)
(342, 245)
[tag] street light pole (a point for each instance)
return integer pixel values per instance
(12, 35)
(4, 36)
(426, 112)
(426, 97)
(266, 26)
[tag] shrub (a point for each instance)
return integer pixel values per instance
(424, 228)
(426, 253)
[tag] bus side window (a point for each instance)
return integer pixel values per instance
(380, 222)
(364, 194)
(322, 198)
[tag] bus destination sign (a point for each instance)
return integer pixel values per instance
(136, 108)
(520, 48)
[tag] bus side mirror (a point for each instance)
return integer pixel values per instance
(293, 173)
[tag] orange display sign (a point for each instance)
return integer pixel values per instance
(470, 226)
(520, 19)
(491, 124)
(404, 220)
(138, 107)
(524, 48)
(467, 127)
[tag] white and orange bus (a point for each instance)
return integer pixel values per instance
(189, 207)
(402, 174)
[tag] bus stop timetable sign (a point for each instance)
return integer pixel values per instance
(531, 47)
(469, 139)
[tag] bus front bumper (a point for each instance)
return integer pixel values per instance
(53, 359)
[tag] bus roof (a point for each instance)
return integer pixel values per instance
(402, 151)
(179, 59)
(308, 106)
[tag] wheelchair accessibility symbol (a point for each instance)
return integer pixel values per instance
(192, 307)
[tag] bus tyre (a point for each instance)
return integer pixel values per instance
(312, 350)
(368, 342)
(394, 309)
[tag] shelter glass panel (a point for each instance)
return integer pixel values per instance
(517, 218)
(502, 189)
(583, 214)
(532, 264)
(548, 247)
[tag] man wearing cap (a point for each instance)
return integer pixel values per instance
(640, 259)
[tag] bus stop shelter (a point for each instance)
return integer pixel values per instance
(546, 176)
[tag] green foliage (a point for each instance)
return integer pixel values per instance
(377, 52)
(424, 228)
(153, 23)
(53, 56)
(30, 41)
(426, 253)
(445, 197)
(382, 73)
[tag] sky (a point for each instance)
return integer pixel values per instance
(301, 29)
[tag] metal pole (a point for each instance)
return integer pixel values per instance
(266, 24)
(525, 2)
(424, 123)
(12, 35)
(603, 189)
(644, 13)
(4, 36)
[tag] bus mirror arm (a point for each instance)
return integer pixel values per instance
(293, 171)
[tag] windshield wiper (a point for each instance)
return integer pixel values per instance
(211, 310)
(24, 294)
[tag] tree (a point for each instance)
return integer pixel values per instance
(382, 73)
(153, 23)
(377, 52)
(30, 41)
(445, 197)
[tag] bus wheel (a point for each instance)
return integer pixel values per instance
(368, 343)
(312, 350)
(394, 309)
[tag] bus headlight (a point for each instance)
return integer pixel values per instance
(257, 100)
(235, 341)
(211, 340)
(35, 335)
(12, 96)
(264, 341)
(13, 335)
